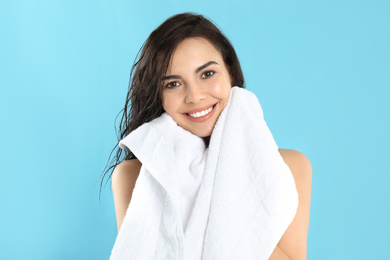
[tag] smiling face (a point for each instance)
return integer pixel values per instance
(196, 87)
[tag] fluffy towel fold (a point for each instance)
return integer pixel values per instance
(245, 200)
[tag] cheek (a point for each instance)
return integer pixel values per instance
(169, 104)
(165, 102)
(225, 95)
(222, 89)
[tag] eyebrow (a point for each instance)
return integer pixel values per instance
(196, 71)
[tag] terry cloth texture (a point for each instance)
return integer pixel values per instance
(232, 200)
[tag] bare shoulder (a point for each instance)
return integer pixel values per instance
(298, 163)
(126, 170)
(294, 241)
(124, 178)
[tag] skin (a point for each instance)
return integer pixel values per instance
(292, 245)
(197, 78)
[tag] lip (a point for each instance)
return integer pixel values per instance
(198, 109)
(202, 118)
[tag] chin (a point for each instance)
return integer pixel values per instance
(200, 131)
(203, 134)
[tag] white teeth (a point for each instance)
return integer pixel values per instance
(202, 113)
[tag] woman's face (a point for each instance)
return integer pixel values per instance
(196, 87)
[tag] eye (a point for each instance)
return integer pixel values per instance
(207, 74)
(172, 84)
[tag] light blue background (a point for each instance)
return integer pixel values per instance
(319, 68)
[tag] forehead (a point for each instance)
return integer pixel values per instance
(192, 53)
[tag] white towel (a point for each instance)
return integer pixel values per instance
(245, 202)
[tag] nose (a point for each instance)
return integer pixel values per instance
(194, 93)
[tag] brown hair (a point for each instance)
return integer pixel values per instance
(144, 96)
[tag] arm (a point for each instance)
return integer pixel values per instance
(124, 177)
(293, 244)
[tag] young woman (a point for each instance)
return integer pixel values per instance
(187, 69)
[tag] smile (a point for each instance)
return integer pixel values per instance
(200, 115)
